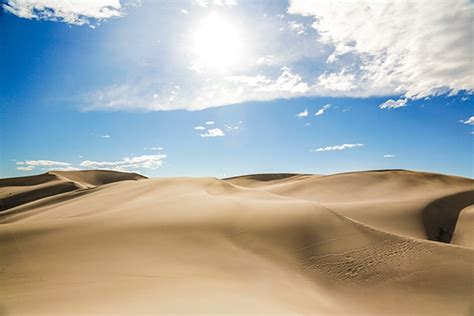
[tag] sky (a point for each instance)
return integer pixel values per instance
(227, 87)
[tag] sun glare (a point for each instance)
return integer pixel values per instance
(217, 43)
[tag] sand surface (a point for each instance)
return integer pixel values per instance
(366, 243)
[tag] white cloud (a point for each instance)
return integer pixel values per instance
(68, 168)
(208, 3)
(230, 2)
(199, 128)
(105, 136)
(416, 48)
(153, 148)
(323, 109)
(29, 165)
(392, 104)
(469, 121)
(389, 156)
(77, 12)
(215, 132)
(341, 81)
(27, 168)
(210, 123)
(266, 60)
(203, 94)
(230, 127)
(287, 81)
(299, 28)
(303, 114)
(252, 81)
(408, 49)
(127, 163)
(336, 147)
(38, 163)
(183, 11)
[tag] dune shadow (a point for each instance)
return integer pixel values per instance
(440, 216)
(265, 176)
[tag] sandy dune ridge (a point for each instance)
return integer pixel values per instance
(368, 243)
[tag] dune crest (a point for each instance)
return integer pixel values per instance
(22, 190)
(356, 243)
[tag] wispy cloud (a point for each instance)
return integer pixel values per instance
(341, 81)
(469, 121)
(384, 61)
(323, 109)
(26, 168)
(183, 11)
(77, 12)
(353, 60)
(68, 168)
(105, 136)
(29, 165)
(210, 123)
(287, 81)
(303, 114)
(299, 28)
(199, 128)
(389, 156)
(392, 104)
(127, 163)
(208, 3)
(266, 60)
(215, 132)
(336, 147)
(230, 127)
(153, 148)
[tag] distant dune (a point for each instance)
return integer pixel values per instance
(18, 191)
(386, 242)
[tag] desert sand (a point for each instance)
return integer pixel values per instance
(387, 242)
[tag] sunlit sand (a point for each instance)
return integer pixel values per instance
(368, 243)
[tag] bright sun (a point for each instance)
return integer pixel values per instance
(217, 43)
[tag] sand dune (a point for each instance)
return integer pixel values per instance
(369, 243)
(421, 205)
(18, 191)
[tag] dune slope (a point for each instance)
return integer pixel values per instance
(270, 244)
(415, 204)
(22, 190)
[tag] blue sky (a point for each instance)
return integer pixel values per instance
(224, 87)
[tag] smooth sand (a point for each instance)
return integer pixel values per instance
(368, 243)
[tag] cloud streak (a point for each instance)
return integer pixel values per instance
(127, 163)
(469, 121)
(215, 132)
(78, 12)
(323, 109)
(392, 104)
(303, 114)
(221, 3)
(29, 165)
(336, 147)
